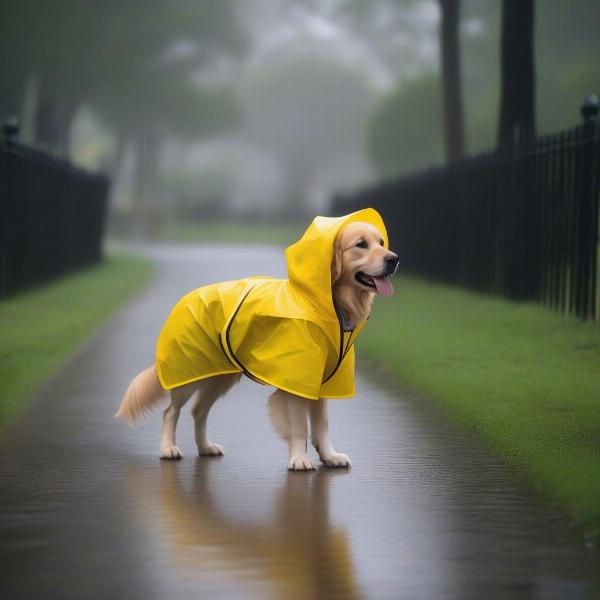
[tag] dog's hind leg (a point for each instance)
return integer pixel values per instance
(319, 426)
(288, 414)
(179, 396)
(210, 390)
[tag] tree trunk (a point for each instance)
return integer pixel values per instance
(145, 210)
(451, 80)
(517, 95)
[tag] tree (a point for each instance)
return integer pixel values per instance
(177, 108)
(451, 79)
(83, 52)
(401, 33)
(517, 95)
(124, 60)
(307, 108)
(405, 132)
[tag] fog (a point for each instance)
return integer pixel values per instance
(264, 109)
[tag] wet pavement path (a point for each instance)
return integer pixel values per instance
(88, 510)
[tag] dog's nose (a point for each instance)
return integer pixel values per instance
(391, 264)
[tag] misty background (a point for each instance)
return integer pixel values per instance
(265, 109)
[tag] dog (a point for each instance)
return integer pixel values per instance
(295, 334)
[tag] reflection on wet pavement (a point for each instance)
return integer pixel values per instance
(88, 510)
(291, 550)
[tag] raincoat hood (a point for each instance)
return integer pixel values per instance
(281, 332)
(309, 259)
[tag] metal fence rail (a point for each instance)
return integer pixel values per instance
(521, 223)
(51, 217)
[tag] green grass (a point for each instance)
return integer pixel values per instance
(282, 234)
(524, 379)
(42, 327)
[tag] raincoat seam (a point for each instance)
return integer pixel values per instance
(230, 349)
(341, 354)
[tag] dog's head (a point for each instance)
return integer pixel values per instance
(361, 261)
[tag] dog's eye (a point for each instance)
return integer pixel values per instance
(381, 242)
(362, 244)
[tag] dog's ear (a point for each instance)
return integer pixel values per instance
(336, 260)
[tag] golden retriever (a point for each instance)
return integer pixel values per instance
(360, 268)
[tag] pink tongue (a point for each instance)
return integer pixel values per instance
(383, 285)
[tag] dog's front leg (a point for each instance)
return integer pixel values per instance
(297, 432)
(319, 425)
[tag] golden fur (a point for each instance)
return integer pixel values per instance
(288, 412)
(143, 393)
(354, 299)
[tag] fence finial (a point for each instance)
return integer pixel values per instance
(10, 129)
(589, 108)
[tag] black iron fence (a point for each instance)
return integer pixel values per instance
(520, 223)
(51, 216)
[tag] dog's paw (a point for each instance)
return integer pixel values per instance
(211, 450)
(337, 460)
(300, 462)
(170, 452)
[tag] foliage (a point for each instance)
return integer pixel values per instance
(405, 131)
(567, 47)
(124, 58)
(480, 49)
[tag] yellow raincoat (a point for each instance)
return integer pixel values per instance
(282, 332)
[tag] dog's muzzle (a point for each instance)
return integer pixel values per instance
(390, 265)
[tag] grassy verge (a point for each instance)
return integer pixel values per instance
(40, 328)
(283, 234)
(526, 380)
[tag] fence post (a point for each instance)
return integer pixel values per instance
(588, 213)
(589, 109)
(10, 129)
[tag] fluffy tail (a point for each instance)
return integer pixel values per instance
(143, 393)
